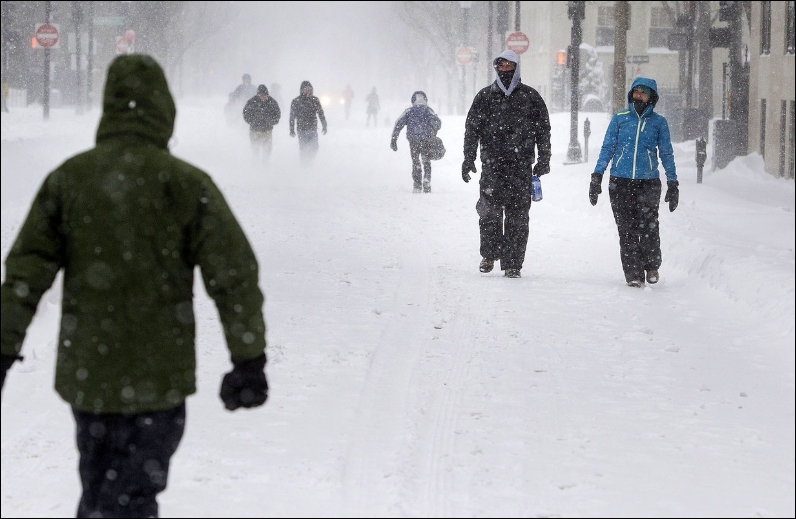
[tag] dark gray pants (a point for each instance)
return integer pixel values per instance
(635, 206)
(124, 460)
(503, 215)
(419, 156)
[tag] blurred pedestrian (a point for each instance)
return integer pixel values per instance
(635, 139)
(421, 123)
(238, 98)
(348, 96)
(511, 122)
(126, 222)
(372, 109)
(305, 110)
(262, 113)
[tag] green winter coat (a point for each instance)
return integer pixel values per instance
(127, 223)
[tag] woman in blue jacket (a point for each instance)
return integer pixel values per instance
(635, 140)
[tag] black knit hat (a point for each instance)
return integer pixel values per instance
(262, 89)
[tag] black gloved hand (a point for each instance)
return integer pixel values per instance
(324, 130)
(672, 194)
(541, 168)
(394, 144)
(292, 133)
(5, 363)
(594, 187)
(467, 167)
(245, 385)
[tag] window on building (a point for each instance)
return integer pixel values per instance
(763, 127)
(661, 25)
(783, 133)
(765, 28)
(791, 141)
(604, 36)
(790, 31)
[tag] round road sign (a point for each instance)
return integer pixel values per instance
(46, 35)
(464, 55)
(518, 42)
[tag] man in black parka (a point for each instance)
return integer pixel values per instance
(305, 110)
(511, 122)
(261, 113)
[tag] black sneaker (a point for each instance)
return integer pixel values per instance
(427, 187)
(513, 273)
(635, 283)
(416, 189)
(486, 265)
(652, 277)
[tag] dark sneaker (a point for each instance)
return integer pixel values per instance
(652, 277)
(486, 265)
(636, 283)
(513, 273)
(416, 189)
(426, 187)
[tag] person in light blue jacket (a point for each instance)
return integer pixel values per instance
(635, 140)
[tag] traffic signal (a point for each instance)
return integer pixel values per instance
(561, 57)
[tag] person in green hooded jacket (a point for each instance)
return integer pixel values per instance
(126, 222)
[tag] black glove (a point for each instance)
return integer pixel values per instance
(324, 130)
(245, 385)
(672, 194)
(467, 167)
(394, 144)
(5, 363)
(292, 133)
(541, 168)
(594, 187)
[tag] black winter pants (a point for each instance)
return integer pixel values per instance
(503, 217)
(635, 206)
(308, 146)
(124, 460)
(419, 155)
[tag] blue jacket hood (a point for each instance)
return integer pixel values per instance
(512, 56)
(647, 82)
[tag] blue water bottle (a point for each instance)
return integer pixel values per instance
(536, 189)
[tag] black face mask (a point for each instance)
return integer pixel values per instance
(639, 105)
(506, 77)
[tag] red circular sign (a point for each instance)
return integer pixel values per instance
(518, 42)
(47, 35)
(464, 55)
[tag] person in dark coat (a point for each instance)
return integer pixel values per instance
(237, 98)
(262, 114)
(510, 121)
(372, 108)
(126, 222)
(421, 123)
(634, 139)
(305, 110)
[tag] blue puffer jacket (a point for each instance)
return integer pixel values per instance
(634, 142)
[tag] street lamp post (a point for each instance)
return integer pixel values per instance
(576, 12)
(463, 83)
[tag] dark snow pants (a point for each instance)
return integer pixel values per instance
(124, 460)
(419, 155)
(503, 216)
(308, 146)
(635, 206)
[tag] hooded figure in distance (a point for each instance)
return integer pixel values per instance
(421, 123)
(305, 111)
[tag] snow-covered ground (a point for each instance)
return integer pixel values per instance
(404, 383)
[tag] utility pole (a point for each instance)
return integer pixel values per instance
(576, 12)
(517, 15)
(46, 93)
(463, 83)
(621, 25)
(489, 45)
